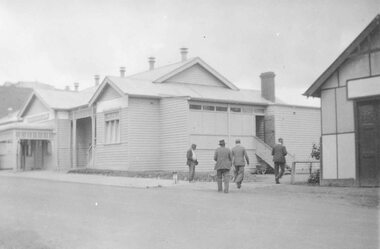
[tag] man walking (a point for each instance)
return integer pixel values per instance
(279, 152)
(223, 159)
(239, 155)
(191, 161)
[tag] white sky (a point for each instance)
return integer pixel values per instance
(61, 42)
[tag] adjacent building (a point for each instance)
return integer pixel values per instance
(350, 95)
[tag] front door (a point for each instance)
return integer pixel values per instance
(369, 142)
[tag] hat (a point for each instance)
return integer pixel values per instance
(221, 142)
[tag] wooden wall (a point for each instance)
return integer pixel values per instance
(174, 134)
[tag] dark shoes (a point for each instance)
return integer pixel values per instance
(238, 185)
(277, 181)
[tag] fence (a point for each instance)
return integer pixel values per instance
(304, 170)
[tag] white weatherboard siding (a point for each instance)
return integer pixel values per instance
(375, 62)
(63, 140)
(329, 157)
(112, 156)
(7, 153)
(36, 107)
(208, 127)
(108, 93)
(174, 136)
(143, 134)
(346, 156)
(196, 75)
(300, 127)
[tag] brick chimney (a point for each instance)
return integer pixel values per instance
(151, 61)
(97, 78)
(184, 52)
(122, 72)
(267, 86)
(76, 86)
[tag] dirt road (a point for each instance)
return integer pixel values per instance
(46, 214)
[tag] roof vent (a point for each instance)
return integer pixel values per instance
(184, 52)
(122, 72)
(76, 86)
(67, 88)
(97, 78)
(151, 61)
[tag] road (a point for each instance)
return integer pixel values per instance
(47, 214)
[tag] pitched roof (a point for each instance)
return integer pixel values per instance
(64, 100)
(314, 89)
(145, 88)
(147, 84)
(60, 99)
(160, 74)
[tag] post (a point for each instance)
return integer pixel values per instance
(74, 142)
(93, 133)
(293, 172)
(310, 168)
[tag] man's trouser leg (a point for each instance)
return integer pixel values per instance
(276, 166)
(219, 180)
(226, 176)
(235, 172)
(240, 175)
(191, 171)
(282, 170)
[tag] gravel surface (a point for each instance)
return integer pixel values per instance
(37, 213)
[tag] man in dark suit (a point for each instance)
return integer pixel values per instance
(223, 159)
(192, 161)
(279, 152)
(239, 157)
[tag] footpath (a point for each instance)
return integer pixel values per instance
(63, 176)
(122, 181)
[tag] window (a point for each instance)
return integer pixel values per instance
(112, 128)
(196, 107)
(235, 109)
(221, 109)
(209, 108)
(248, 109)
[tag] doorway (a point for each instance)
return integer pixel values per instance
(368, 113)
(33, 154)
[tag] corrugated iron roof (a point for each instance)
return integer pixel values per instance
(132, 86)
(60, 99)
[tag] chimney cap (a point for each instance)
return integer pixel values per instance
(122, 71)
(76, 86)
(184, 52)
(267, 75)
(97, 78)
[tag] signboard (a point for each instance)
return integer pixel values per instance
(361, 88)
